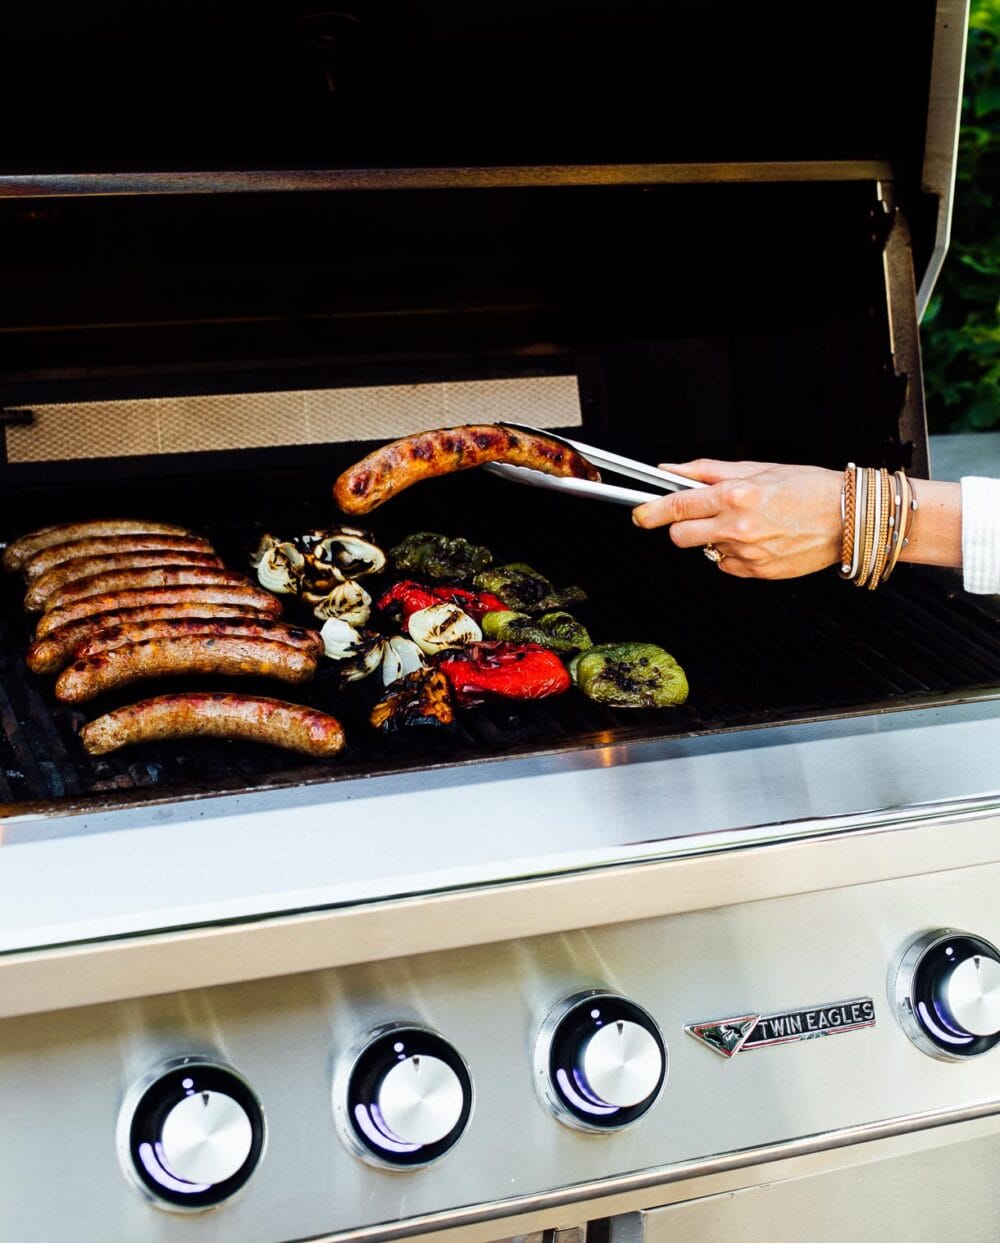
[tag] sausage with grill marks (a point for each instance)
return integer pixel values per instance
(244, 595)
(56, 648)
(192, 655)
(216, 715)
(180, 627)
(81, 569)
(109, 545)
(16, 554)
(387, 471)
(112, 581)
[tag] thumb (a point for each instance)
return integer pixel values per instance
(710, 470)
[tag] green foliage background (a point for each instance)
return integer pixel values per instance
(961, 327)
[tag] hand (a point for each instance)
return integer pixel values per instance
(768, 521)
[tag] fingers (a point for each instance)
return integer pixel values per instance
(677, 507)
(695, 534)
(709, 470)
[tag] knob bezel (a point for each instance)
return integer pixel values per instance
(547, 1047)
(910, 990)
(360, 1063)
(127, 1134)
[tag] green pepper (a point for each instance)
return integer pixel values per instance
(630, 675)
(559, 632)
(429, 555)
(524, 590)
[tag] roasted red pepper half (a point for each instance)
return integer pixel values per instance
(514, 670)
(408, 597)
(405, 598)
(476, 603)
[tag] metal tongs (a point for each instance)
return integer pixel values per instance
(664, 480)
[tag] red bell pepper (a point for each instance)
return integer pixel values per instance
(513, 670)
(476, 603)
(408, 597)
(405, 598)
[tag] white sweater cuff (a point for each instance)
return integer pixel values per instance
(981, 534)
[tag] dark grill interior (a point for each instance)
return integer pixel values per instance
(755, 653)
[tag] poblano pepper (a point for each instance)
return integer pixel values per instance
(630, 675)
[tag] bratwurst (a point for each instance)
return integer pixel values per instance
(111, 581)
(17, 553)
(54, 650)
(216, 715)
(387, 471)
(46, 586)
(109, 545)
(180, 627)
(190, 655)
(244, 595)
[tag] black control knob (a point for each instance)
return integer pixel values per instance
(947, 994)
(191, 1133)
(600, 1061)
(403, 1096)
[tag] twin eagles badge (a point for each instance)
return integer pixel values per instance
(757, 1031)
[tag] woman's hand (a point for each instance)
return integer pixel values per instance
(767, 520)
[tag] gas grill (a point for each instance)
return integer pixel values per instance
(560, 973)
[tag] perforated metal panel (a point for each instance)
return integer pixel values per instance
(102, 429)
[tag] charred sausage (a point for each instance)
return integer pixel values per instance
(50, 584)
(179, 627)
(17, 553)
(51, 652)
(390, 469)
(112, 581)
(244, 595)
(191, 655)
(109, 545)
(216, 715)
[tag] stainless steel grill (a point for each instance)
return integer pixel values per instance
(560, 974)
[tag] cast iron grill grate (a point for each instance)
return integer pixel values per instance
(755, 653)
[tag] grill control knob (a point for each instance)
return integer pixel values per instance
(600, 1061)
(946, 990)
(402, 1097)
(191, 1133)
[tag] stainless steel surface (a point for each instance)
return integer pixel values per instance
(206, 1138)
(973, 996)
(269, 181)
(726, 792)
(421, 1100)
(664, 480)
(715, 1115)
(622, 1064)
(949, 1193)
(951, 28)
(904, 331)
(587, 488)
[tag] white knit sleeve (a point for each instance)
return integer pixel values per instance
(981, 534)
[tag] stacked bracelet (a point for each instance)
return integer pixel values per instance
(876, 508)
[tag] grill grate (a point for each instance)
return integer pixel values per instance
(755, 653)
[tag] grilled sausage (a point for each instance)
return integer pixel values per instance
(50, 653)
(109, 545)
(79, 569)
(16, 554)
(216, 715)
(112, 581)
(194, 654)
(245, 595)
(180, 627)
(387, 471)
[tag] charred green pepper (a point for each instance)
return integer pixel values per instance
(630, 675)
(427, 554)
(559, 632)
(524, 590)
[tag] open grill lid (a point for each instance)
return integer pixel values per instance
(569, 184)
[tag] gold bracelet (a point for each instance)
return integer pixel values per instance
(901, 511)
(885, 528)
(868, 547)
